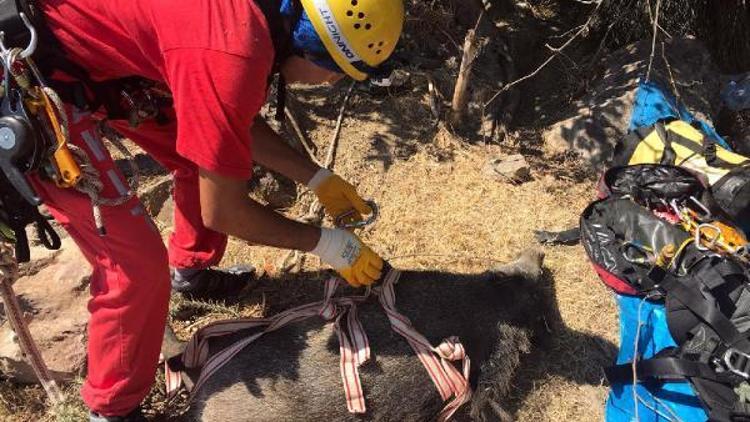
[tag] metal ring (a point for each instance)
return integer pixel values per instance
(359, 224)
(710, 241)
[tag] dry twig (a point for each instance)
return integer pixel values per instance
(460, 94)
(293, 259)
(308, 146)
(653, 39)
(556, 51)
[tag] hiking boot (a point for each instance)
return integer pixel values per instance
(210, 283)
(134, 416)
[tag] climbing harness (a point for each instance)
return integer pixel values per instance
(451, 382)
(34, 132)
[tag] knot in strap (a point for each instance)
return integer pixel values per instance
(451, 349)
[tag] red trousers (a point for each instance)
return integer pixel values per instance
(130, 283)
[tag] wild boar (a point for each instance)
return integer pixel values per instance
(293, 374)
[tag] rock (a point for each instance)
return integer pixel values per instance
(54, 299)
(603, 116)
(512, 168)
(155, 194)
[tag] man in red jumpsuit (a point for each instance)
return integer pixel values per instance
(215, 56)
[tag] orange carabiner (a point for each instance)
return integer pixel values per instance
(68, 171)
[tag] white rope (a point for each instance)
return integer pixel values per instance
(637, 397)
(17, 321)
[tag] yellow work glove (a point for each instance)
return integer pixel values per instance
(351, 258)
(338, 197)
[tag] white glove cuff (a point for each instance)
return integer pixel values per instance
(319, 178)
(338, 248)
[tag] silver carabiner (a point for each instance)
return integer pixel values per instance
(706, 212)
(710, 241)
(10, 55)
(729, 362)
(358, 224)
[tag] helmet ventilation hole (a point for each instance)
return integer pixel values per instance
(354, 2)
(357, 26)
(349, 13)
(360, 15)
(371, 45)
(379, 51)
(368, 26)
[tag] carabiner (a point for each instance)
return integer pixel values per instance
(8, 55)
(710, 241)
(358, 224)
(706, 212)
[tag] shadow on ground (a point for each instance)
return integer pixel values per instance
(492, 316)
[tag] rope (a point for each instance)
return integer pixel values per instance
(8, 275)
(637, 397)
(91, 183)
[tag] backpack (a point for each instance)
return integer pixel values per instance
(679, 143)
(637, 242)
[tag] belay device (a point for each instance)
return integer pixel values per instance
(33, 131)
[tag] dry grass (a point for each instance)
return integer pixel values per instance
(444, 214)
(438, 211)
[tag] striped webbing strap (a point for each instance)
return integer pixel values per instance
(450, 381)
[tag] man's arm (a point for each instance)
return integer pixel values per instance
(270, 151)
(226, 208)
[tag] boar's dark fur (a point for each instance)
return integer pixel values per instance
(293, 374)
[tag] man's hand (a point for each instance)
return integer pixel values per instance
(338, 196)
(346, 253)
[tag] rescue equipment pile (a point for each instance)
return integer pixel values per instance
(664, 237)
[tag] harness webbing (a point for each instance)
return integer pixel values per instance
(451, 383)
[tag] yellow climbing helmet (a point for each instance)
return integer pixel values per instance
(358, 34)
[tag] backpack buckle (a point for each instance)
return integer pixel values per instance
(737, 362)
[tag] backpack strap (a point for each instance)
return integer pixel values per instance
(708, 149)
(663, 369)
(698, 305)
(669, 157)
(712, 158)
(625, 149)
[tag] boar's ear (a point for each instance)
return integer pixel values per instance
(528, 266)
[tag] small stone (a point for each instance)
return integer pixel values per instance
(512, 168)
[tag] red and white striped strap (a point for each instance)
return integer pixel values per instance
(353, 344)
(449, 381)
